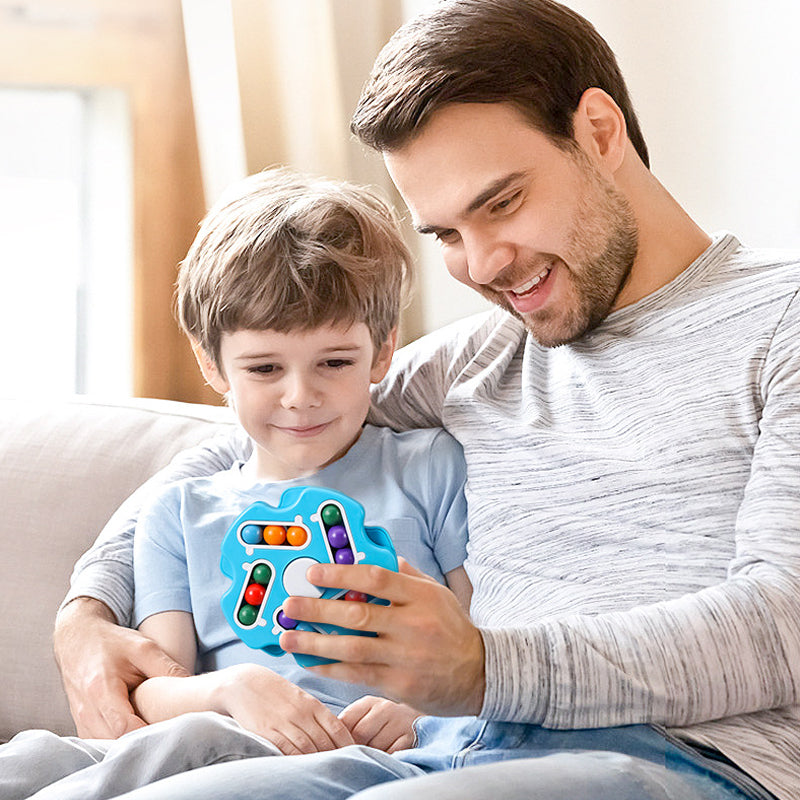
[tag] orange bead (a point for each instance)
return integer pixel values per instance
(274, 534)
(296, 536)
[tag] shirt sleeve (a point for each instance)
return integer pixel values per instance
(105, 572)
(413, 393)
(447, 475)
(161, 575)
(729, 649)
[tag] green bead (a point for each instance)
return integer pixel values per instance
(247, 614)
(331, 515)
(261, 574)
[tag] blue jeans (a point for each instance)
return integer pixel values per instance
(457, 758)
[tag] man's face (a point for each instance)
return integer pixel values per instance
(537, 229)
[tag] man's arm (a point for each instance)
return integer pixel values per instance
(100, 661)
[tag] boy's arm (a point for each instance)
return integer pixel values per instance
(460, 585)
(257, 698)
(100, 661)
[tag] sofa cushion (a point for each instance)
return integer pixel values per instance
(66, 466)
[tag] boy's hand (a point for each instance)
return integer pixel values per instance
(427, 653)
(100, 663)
(380, 723)
(269, 705)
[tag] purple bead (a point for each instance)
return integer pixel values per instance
(337, 536)
(344, 556)
(286, 622)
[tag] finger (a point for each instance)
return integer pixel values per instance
(351, 714)
(368, 727)
(379, 582)
(309, 736)
(368, 617)
(337, 733)
(354, 650)
(105, 712)
(403, 742)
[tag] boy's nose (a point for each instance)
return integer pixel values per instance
(300, 392)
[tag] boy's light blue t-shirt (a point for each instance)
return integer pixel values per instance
(411, 484)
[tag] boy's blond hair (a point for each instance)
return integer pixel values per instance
(285, 251)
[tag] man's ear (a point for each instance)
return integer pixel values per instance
(600, 129)
(383, 358)
(211, 372)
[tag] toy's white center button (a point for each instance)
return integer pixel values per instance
(294, 579)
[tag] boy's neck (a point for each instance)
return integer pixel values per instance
(261, 466)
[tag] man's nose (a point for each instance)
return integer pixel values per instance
(486, 258)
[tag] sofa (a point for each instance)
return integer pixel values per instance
(66, 466)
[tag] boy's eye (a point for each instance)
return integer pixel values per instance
(338, 363)
(262, 369)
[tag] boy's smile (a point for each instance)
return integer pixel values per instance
(302, 396)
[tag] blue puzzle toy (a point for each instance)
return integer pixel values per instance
(268, 549)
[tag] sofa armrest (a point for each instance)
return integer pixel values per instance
(65, 466)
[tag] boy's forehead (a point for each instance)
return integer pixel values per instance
(300, 339)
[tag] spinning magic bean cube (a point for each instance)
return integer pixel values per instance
(268, 549)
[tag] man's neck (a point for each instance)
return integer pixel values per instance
(669, 239)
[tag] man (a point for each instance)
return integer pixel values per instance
(631, 427)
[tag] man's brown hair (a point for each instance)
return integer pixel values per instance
(535, 54)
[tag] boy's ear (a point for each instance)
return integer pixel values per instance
(211, 372)
(383, 358)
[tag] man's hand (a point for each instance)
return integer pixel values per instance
(380, 723)
(100, 663)
(427, 653)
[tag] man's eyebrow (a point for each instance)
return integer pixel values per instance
(493, 189)
(487, 194)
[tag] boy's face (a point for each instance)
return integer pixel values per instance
(301, 396)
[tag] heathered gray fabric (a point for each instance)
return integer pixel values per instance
(634, 506)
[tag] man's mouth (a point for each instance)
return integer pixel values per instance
(529, 286)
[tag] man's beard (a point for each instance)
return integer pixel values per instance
(601, 250)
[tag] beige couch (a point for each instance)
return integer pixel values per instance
(65, 465)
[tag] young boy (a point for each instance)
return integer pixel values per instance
(290, 295)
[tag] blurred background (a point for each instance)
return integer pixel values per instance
(122, 120)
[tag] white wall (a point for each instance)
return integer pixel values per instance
(714, 84)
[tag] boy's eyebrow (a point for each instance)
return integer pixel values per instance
(341, 348)
(480, 200)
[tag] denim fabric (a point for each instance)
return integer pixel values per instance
(637, 761)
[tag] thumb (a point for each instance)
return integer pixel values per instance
(153, 662)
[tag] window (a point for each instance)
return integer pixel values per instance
(65, 241)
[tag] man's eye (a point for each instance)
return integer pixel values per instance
(447, 236)
(506, 202)
(262, 369)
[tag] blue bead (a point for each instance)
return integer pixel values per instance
(251, 534)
